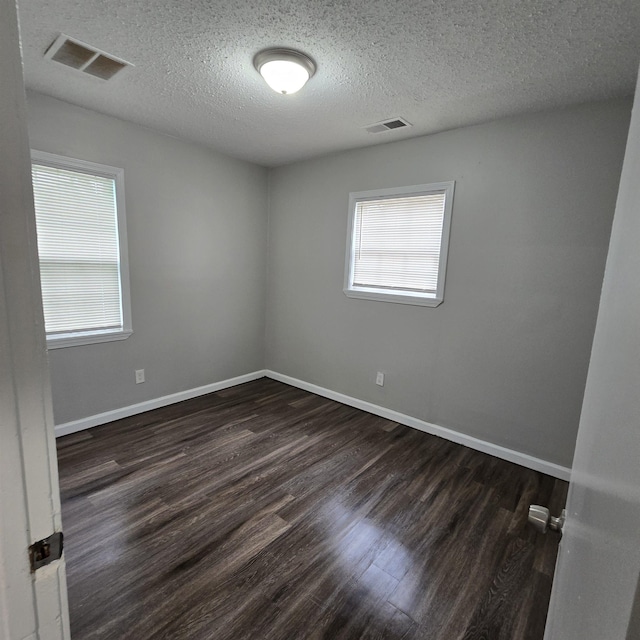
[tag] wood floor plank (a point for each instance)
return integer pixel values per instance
(268, 513)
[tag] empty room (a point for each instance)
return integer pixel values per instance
(320, 320)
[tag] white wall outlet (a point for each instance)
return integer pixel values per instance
(380, 379)
(139, 376)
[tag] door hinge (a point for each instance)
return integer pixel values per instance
(45, 551)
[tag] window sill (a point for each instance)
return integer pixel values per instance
(402, 297)
(85, 337)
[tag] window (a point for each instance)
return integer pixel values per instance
(397, 244)
(82, 246)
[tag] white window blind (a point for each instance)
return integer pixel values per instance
(398, 243)
(79, 250)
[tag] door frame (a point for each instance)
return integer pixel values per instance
(32, 605)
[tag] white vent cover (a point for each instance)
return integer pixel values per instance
(388, 125)
(84, 58)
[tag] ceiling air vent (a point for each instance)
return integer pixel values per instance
(388, 125)
(84, 58)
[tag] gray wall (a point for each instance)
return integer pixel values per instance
(197, 225)
(505, 357)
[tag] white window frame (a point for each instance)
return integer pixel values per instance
(400, 296)
(76, 338)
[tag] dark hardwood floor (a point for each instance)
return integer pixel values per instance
(264, 512)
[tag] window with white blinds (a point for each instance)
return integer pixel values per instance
(80, 223)
(397, 247)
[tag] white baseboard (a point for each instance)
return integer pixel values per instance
(523, 459)
(141, 407)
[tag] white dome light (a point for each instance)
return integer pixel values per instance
(284, 70)
(284, 76)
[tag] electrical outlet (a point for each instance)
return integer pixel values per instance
(380, 379)
(139, 376)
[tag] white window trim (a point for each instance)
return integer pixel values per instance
(401, 297)
(77, 338)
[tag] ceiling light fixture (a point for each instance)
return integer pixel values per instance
(284, 70)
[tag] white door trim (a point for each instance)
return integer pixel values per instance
(31, 605)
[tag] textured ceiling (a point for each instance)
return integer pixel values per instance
(438, 63)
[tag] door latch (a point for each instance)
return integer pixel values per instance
(46, 551)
